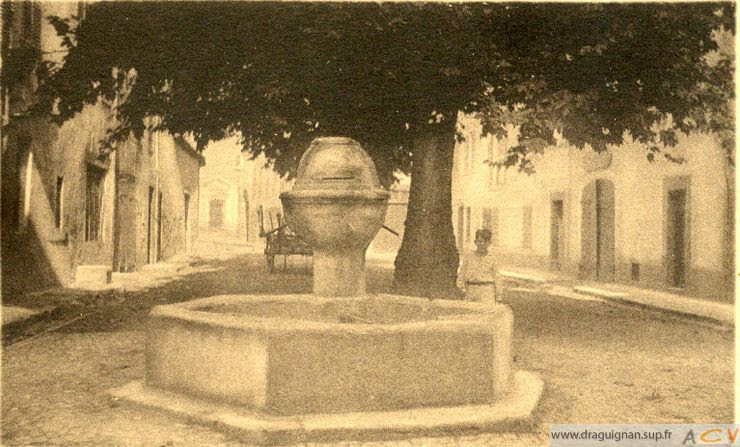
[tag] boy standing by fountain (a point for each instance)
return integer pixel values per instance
(477, 276)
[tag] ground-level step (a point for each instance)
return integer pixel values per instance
(93, 274)
(512, 413)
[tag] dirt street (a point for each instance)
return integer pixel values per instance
(600, 362)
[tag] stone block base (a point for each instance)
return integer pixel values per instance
(93, 274)
(511, 413)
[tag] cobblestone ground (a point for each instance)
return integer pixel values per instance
(601, 363)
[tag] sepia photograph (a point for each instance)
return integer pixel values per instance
(367, 223)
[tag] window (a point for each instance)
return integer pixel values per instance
(93, 202)
(471, 151)
(487, 218)
(466, 156)
(59, 202)
(6, 9)
(216, 214)
(21, 24)
(467, 224)
(27, 185)
(491, 159)
(186, 204)
(31, 25)
(81, 7)
(501, 175)
(527, 227)
(494, 227)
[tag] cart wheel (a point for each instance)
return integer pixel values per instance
(270, 258)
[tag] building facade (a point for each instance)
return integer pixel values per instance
(234, 188)
(66, 202)
(613, 216)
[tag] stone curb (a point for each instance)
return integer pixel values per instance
(24, 314)
(626, 299)
(521, 277)
(512, 413)
(600, 293)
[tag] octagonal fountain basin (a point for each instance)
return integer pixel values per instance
(299, 354)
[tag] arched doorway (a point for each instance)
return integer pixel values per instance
(597, 230)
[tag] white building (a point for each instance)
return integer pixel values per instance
(613, 216)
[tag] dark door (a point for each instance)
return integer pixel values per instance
(588, 231)
(597, 231)
(604, 230)
(556, 233)
(677, 239)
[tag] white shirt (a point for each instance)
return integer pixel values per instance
(477, 268)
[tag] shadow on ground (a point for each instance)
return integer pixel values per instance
(112, 310)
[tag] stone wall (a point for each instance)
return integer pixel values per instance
(47, 185)
(38, 251)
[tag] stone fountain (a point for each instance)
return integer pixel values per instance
(337, 364)
(337, 206)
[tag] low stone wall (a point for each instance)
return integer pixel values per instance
(341, 359)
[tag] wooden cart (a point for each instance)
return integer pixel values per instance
(280, 241)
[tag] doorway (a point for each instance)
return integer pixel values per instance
(556, 234)
(677, 237)
(246, 214)
(216, 214)
(597, 231)
(460, 228)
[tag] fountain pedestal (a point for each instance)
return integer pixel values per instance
(346, 270)
(338, 364)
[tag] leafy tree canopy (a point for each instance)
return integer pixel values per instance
(281, 74)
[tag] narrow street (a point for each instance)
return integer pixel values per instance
(600, 362)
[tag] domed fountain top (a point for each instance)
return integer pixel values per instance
(336, 163)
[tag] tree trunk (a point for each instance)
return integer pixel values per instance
(426, 264)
